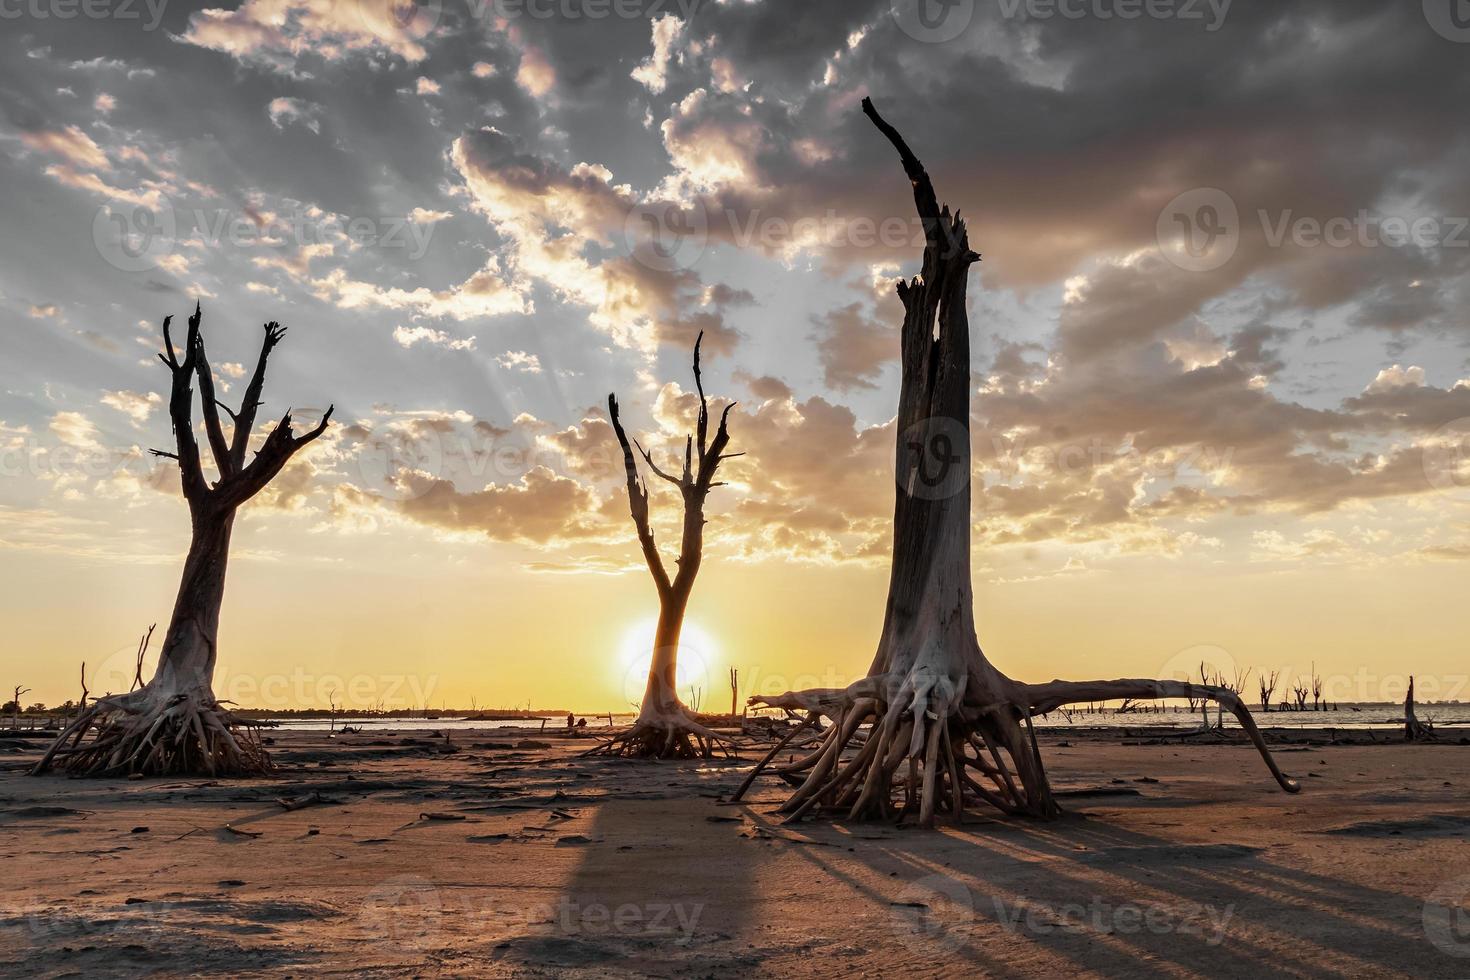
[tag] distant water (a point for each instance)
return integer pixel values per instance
(1356, 716)
(1350, 716)
(445, 723)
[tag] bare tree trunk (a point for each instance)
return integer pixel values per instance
(947, 727)
(1414, 729)
(174, 724)
(665, 728)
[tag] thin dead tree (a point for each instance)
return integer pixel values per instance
(1299, 691)
(665, 728)
(946, 727)
(1267, 684)
(1414, 729)
(20, 692)
(173, 724)
(1316, 690)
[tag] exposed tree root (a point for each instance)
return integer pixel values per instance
(141, 734)
(673, 735)
(928, 754)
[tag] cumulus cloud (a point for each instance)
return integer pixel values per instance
(288, 111)
(408, 336)
(78, 149)
(137, 406)
(519, 360)
(280, 33)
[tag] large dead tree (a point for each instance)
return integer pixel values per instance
(946, 728)
(665, 728)
(174, 724)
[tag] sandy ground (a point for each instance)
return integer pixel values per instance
(1175, 860)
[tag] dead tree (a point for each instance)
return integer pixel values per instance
(734, 690)
(665, 728)
(1414, 729)
(174, 724)
(1299, 691)
(1316, 690)
(947, 727)
(20, 692)
(1268, 687)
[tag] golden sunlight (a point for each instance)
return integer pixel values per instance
(694, 673)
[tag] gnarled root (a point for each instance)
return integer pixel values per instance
(931, 750)
(140, 734)
(673, 735)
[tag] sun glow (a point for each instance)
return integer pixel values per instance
(698, 653)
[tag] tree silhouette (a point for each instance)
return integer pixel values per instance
(665, 727)
(947, 727)
(174, 724)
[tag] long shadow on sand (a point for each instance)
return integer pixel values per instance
(1014, 898)
(637, 894)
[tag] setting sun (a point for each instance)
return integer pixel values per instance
(697, 655)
